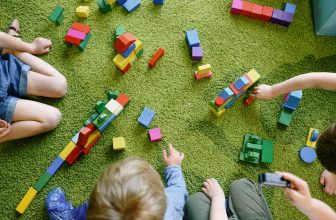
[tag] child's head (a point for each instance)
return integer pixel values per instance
(326, 148)
(129, 189)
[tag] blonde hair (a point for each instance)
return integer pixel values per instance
(129, 189)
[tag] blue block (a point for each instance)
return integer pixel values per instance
(121, 2)
(291, 8)
(277, 16)
(158, 2)
(131, 5)
(314, 135)
(293, 100)
(192, 38)
(55, 166)
(103, 127)
(307, 154)
(146, 117)
(226, 93)
(240, 83)
(75, 138)
(128, 51)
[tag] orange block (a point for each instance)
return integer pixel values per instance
(125, 70)
(72, 40)
(266, 13)
(123, 42)
(256, 11)
(159, 53)
(81, 27)
(247, 8)
(123, 99)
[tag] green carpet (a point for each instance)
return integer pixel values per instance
(232, 45)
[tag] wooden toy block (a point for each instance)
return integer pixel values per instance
(75, 138)
(240, 83)
(125, 70)
(42, 181)
(92, 140)
(307, 154)
(192, 38)
(247, 8)
(76, 34)
(216, 107)
(67, 150)
(112, 94)
(138, 46)
(84, 43)
(253, 75)
(55, 166)
(277, 16)
(219, 101)
(119, 143)
(73, 156)
(146, 117)
(104, 7)
(123, 99)
(267, 151)
(218, 113)
(226, 94)
(249, 100)
(83, 11)
(128, 51)
(26, 200)
(131, 5)
(81, 27)
(107, 122)
(293, 99)
(102, 118)
(110, 1)
(287, 18)
(100, 106)
(312, 138)
(139, 54)
(236, 7)
(72, 40)
(121, 2)
(91, 119)
(291, 8)
(84, 134)
(196, 53)
(57, 15)
(121, 62)
(285, 117)
(158, 2)
(202, 76)
(158, 54)
(266, 13)
(155, 134)
(119, 31)
(204, 69)
(114, 107)
(256, 11)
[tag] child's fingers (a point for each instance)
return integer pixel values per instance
(206, 185)
(322, 181)
(164, 154)
(204, 190)
(171, 148)
(182, 156)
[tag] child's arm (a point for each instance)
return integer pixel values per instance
(176, 190)
(300, 197)
(214, 192)
(321, 80)
(38, 46)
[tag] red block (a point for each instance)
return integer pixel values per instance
(86, 150)
(85, 133)
(122, 99)
(256, 11)
(123, 42)
(81, 27)
(266, 13)
(73, 156)
(247, 8)
(199, 77)
(72, 40)
(159, 53)
(219, 101)
(125, 70)
(249, 100)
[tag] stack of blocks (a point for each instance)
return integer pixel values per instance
(158, 2)
(130, 5)
(264, 13)
(129, 49)
(81, 143)
(256, 149)
(145, 120)
(203, 71)
(229, 95)
(194, 45)
(57, 15)
(308, 154)
(291, 101)
(152, 62)
(78, 35)
(83, 11)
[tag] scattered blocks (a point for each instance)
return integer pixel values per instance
(146, 117)
(57, 15)
(196, 53)
(119, 143)
(83, 11)
(131, 5)
(158, 2)
(158, 54)
(27, 199)
(155, 135)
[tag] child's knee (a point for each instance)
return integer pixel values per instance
(61, 87)
(52, 119)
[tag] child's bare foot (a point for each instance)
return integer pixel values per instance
(328, 180)
(4, 128)
(14, 30)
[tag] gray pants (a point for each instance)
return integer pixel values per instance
(246, 202)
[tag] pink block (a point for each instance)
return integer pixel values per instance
(237, 6)
(155, 134)
(76, 34)
(199, 77)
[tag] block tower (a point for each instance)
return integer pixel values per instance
(291, 102)
(78, 35)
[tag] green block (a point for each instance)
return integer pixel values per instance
(104, 7)
(112, 94)
(267, 151)
(140, 53)
(57, 15)
(217, 108)
(253, 147)
(100, 106)
(119, 31)
(255, 139)
(60, 19)
(285, 117)
(82, 45)
(91, 119)
(324, 17)
(42, 181)
(100, 120)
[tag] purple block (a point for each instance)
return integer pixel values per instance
(76, 34)
(196, 53)
(287, 18)
(277, 16)
(155, 134)
(237, 6)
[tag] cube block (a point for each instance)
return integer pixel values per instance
(192, 38)
(146, 117)
(119, 143)
(196, 53)
(155, 135)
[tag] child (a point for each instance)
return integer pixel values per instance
(131, 189)
(246, 201)
(23, 74)
(326, 144)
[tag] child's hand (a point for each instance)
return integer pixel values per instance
(174, 157)
(212, 189)
(263, 91)
(328, 180)
(40, 46)
(4, 128)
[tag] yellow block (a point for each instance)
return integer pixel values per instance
(110, 1)
(27, 199)
(92, 137)
(138, 46)
(308, 142)
(254, 75)
(204, 69)
(122, 62)
(83, 11)
(67, 150)
(219, 113)
(119, 143)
